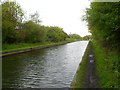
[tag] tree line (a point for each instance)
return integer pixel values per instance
(17, 30)
(104, 23)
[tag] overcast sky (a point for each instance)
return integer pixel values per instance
(66, 14)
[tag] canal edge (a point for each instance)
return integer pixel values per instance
(81, 69)
(86, 75)
(29, 49)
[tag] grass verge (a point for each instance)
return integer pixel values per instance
(107, 66)
(19, 46)
(78, 79)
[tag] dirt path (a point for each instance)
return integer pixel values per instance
(91, 79)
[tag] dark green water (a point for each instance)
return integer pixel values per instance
(53, 67)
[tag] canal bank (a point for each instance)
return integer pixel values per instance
(86, 76)
(26, 49)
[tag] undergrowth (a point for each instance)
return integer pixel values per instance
(107, 65)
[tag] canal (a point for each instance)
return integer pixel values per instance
(52, 67)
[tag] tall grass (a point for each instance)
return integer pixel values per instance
(107, 65)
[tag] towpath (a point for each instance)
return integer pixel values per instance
(91, 78)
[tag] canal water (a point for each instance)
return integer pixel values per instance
(52, 67)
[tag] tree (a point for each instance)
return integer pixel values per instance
(15, 30)
(31, 33)
(87, 37)
(12, 16)
(56, 34)
(75, 36)
(35, 18)
(104, 23)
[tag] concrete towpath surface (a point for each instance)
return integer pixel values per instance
(91, 78)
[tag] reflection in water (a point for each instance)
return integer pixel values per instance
(52, 67)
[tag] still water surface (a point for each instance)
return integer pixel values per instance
(52, 67)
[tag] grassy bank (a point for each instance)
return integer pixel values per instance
(78, 80)
(107, 66)
(19, 46)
